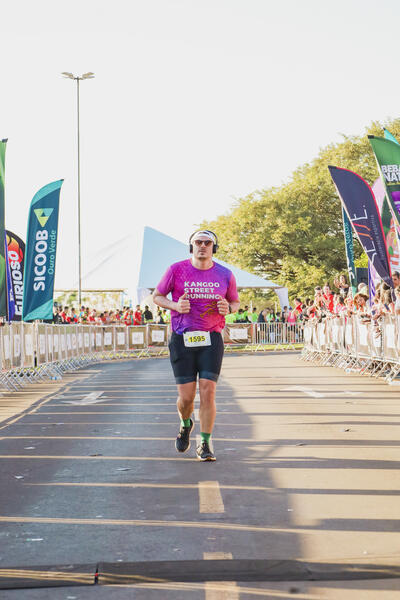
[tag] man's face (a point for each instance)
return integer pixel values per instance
(202, 248)
(327, 289)
(396, 280)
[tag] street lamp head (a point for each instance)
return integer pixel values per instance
(69, 75)
(89, 75)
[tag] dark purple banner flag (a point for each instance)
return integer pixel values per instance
(360, 205)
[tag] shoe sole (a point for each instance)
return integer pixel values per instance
(188, 448)
(208, 459)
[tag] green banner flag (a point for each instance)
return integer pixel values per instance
(348, 239)
(3, 286)
(387, 154)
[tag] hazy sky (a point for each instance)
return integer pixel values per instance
(194, 103)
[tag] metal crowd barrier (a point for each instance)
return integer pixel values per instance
(356, 344)
(263, 336)
(32, 352)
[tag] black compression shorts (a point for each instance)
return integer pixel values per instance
(205, 361)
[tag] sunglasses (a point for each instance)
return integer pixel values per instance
(201, 242)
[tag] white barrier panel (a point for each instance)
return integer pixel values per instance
(49, 342)
(27, 334)
(6, 347)
(16, 349)
(137, 337)
(98, 339)
(56, 343)
(120, 337)
(108, 342)
(238, 333)
(68, 341)
(74, 341)
(41, 346)
(158, 335)
(390, 333)
(63, 342)
(80, 339)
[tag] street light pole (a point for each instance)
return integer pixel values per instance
(78, 78)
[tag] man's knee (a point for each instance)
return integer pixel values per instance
(187, 392)
(207, 389)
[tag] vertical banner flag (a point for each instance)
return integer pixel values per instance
(387, 154)
(10, 291)
(348, 240)
(40, 258)
(3, 287)
(359, 202)
(16, 260)
(380, 196)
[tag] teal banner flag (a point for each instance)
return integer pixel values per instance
(389, 136)
(3, 280)
(348, 240)
(40, 253)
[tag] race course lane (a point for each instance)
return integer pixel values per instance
(309, 473)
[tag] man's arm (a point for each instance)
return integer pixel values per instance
(182, 306)
(234, 306)
(223, 306)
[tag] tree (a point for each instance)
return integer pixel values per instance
(294, 234)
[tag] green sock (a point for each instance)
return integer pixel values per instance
(205, 437)
(185, 422)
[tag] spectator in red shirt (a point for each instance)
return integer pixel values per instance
(137, 317)
(327, 297)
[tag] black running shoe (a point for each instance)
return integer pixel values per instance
(182, 442)
(204, 453)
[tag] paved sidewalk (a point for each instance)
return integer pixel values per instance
(306, 480)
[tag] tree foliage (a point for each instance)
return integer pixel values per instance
(293, 234)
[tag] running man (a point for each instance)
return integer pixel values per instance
(203, 292)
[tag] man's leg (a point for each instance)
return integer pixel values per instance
(185, 405)
(208, 408)
(207, 414)
(185, 402)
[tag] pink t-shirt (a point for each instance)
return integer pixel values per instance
(203, 289)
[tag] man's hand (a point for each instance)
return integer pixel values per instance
(183, 304)
(223, 306)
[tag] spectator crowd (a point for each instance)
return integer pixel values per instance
(327, 303)
(127, 316)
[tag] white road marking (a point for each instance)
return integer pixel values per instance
(313, 394)
(210, 499)
(308, 391)
(224, 590)
(92, 398)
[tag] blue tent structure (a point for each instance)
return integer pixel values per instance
(160, 250)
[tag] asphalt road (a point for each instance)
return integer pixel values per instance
(306, 486)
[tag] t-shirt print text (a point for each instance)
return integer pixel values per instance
(201, 289)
